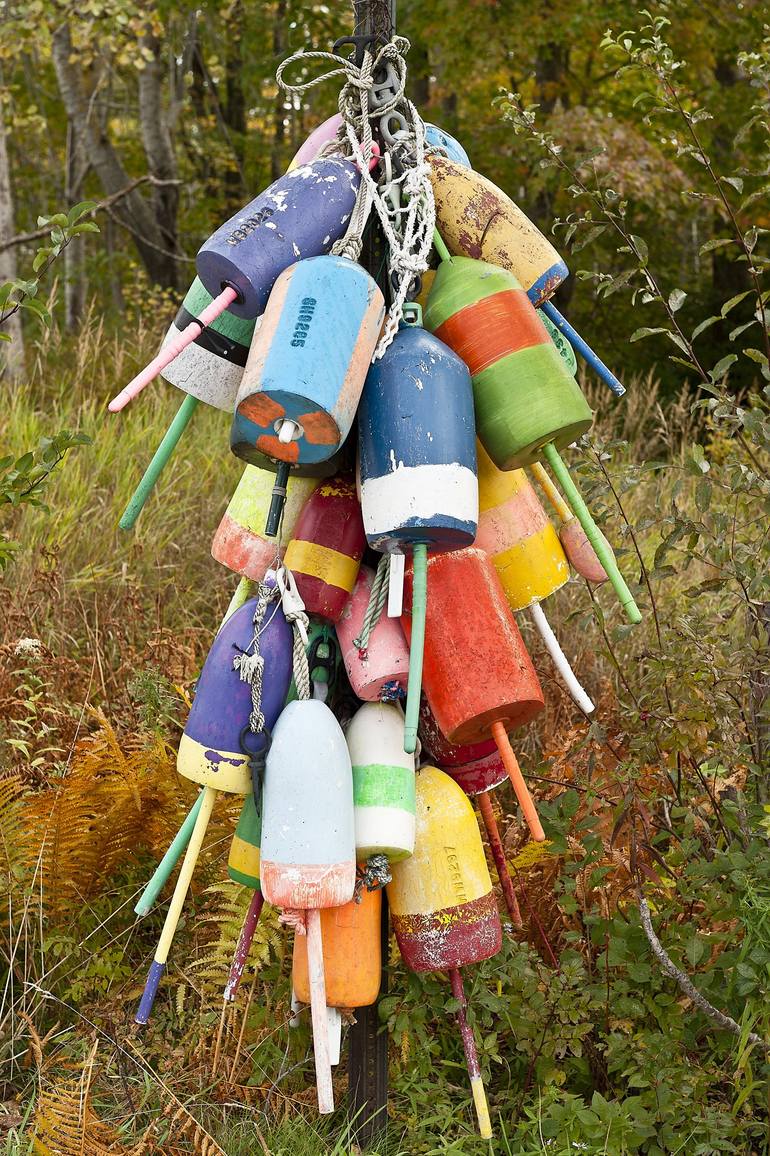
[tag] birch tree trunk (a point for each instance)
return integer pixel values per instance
(11, 353)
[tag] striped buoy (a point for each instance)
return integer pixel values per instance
(383, 782)
(326, 548)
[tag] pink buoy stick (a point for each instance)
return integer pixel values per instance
(173, 349)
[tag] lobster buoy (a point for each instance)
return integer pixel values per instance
(524, 394)
(326, 548)
(440, 141)
(380, 670)
(239, 542)
(210, 750)
(212, 367)
(475, 767)
(300, 215)
(477, 219)
(478, 769)
(441, 900)
(479, 679)
(528, 405)
(383, 782)
(417, 459)
(515, 531)
(351, 953)
(243, 860)
(308, 361)
(308, 842)
(217, 745)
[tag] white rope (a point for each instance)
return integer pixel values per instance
(409, 230)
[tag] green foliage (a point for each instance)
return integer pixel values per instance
(23, 480)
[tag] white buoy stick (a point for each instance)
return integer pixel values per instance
(315, 967)
(560, 659)
(396, 586)
(334, 1021)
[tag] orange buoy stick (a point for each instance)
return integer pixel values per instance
(498, 854)
(511, 764)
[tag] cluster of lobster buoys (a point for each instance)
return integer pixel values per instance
(403, 529)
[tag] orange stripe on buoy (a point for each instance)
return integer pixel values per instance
(492, 328)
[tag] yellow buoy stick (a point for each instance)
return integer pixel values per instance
(471, 1057)
(560, 507)
(158, 965)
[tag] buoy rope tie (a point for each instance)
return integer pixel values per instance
(378, 596)
(408, 231)
(250, 664)
(293, 918)
(374, 875)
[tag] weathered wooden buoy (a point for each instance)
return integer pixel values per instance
(477, 219)
(217, 745)
(300, 215)
(308, 842)
(383, 782)
(326, 548)
(439, 140)
(243, 867)
(479, 679)
(581, 554)
(417, 455)
(478, 769)
(515, 531)
(381, 669)
(441, 901)
(209, 370)
(524, 394)
(351, 953)
(528, 406)
(210, 751)
(307, 364)
(240, 542)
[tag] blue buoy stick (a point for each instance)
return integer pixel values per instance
(585, 351)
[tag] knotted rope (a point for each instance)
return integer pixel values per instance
(408, 231)
(250, 664)
(374, 875)
(377, 598)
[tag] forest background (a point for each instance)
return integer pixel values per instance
(127, 133)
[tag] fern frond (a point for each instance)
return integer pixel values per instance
(66, 1125)
(221, 927)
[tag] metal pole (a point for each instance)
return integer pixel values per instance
(368, 1041)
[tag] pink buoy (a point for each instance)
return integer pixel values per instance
(382, 671)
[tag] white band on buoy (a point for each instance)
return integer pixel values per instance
(559, 659)
(396, 585)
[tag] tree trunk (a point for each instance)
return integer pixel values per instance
(132, 211)
(156, 139)
(74, 265)
(234, 107)
(277, 160)
(11, 353)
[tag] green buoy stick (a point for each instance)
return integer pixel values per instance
(169, 861)
(440, 247)
(159, 460)
(601, 547)
(416, 645)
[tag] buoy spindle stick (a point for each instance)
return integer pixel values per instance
(601, 547)
(581, 347)
(498, 854)
(416, 645)
(278, 499)
(155, 885)
(471, 1057)
(158, 463)
(560, 507)
(243, 592)
(173, 349)
(158, 965)
(560, 659)
(440, 247)
(511, 764)
(316, 980)
(243, 947)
